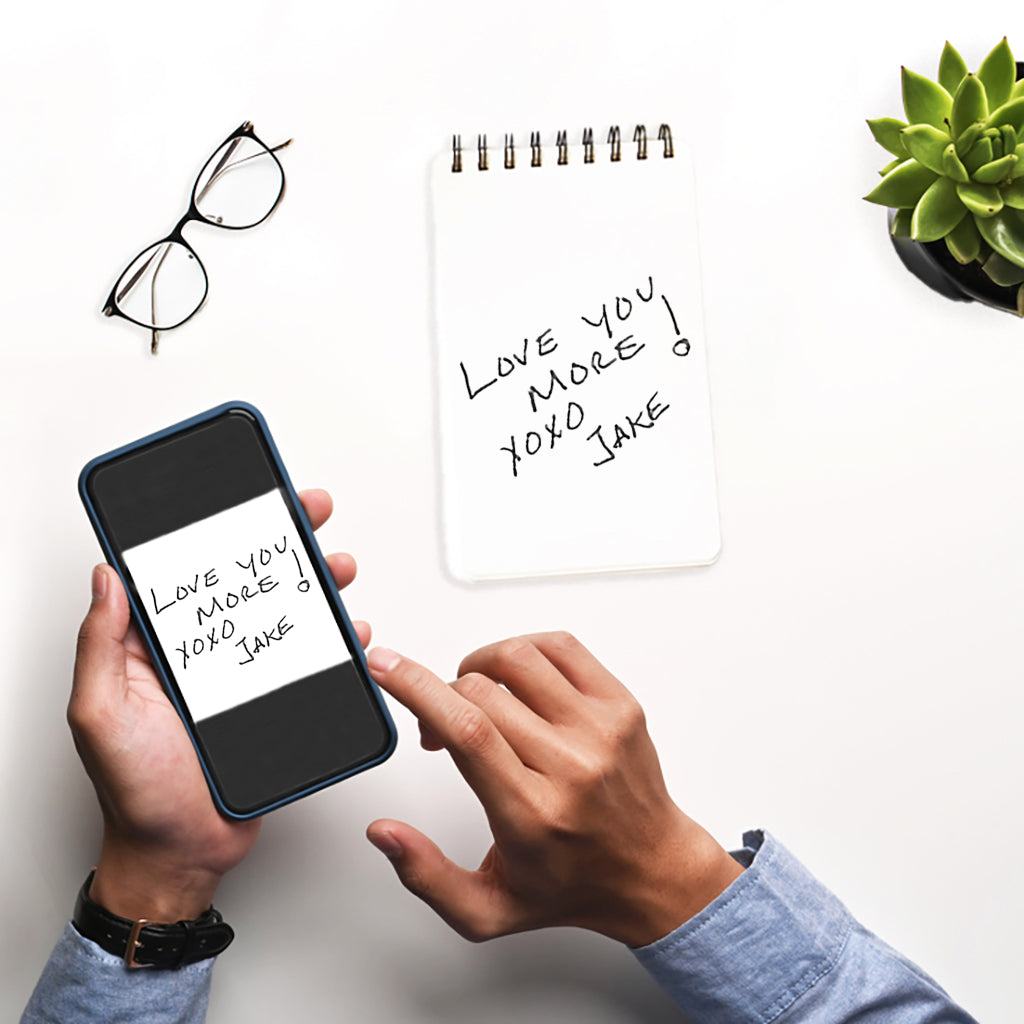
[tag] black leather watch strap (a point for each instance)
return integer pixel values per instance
(144, 944)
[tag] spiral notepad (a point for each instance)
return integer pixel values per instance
(573, 390)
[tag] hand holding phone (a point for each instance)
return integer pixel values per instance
(236, 608)
(165, 844)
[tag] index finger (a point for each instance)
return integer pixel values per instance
(523, 669)
(573, 662)
(483, 755)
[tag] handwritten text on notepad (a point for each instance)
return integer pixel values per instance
(613, 318)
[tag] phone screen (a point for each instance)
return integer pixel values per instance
(225, 581)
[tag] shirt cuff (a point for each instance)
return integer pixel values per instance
(760, 945)
(84, 983)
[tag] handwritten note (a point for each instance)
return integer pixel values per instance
(574, 406)
(234, 605)
(566, 377)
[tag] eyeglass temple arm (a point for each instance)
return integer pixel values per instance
(129, 285)
(155, 340)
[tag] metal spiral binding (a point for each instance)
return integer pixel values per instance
(640, 138)
(665, 135)
(614, 141)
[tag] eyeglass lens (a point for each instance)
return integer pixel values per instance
(240, 184)
(162, 287)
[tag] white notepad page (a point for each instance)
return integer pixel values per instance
(573, 389)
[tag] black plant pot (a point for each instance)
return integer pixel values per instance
(933, 264)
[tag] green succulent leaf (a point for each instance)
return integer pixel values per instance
(983, 201)
(892, 165)
(924, 101)
(938, 212)
(964, 241)
(901, 224)
(1018, 89)
(1011, 113)
(998, 72)
(886, 131)
(1005, 233)
(967, 138)
(980, 153)
(969, 105)
(1020, 301)
(952, 166)
(1009, 139)
(903, 186)
(926, 145)
(996, 171)
(1002, 271)
(952, 68)
(1013, 194)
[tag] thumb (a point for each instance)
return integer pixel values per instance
(100, 658)
(471, 902)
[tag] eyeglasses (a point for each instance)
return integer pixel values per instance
(166, 284)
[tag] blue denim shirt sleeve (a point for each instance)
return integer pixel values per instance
(775, 946)
(778, 946)
(83, 984)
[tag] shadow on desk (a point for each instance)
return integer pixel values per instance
(542, 978)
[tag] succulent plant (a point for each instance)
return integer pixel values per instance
(958, 172)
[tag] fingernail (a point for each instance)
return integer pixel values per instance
(99, 583)
(380, 659)
(386, 843)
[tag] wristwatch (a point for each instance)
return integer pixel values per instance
(145, 944)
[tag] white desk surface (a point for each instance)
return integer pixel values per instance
(847, 675)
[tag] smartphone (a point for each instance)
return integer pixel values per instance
(238, 609)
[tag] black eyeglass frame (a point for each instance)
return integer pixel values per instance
(111, 308)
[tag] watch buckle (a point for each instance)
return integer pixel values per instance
(134, 944)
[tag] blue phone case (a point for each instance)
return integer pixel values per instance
(156, 653)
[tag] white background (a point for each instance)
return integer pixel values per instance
(847, 675)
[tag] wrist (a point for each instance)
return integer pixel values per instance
(145, 883)
(144, 943)
(689, 871)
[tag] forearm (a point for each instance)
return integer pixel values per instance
(778, 946)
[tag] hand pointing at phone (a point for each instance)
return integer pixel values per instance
(584, 832)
